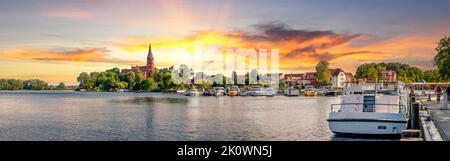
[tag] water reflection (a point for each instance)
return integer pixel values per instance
(62, 115)
(151, 100)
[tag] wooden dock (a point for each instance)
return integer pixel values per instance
(441, 118)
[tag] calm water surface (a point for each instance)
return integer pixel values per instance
(68, 115)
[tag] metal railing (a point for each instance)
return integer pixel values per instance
(365, 106)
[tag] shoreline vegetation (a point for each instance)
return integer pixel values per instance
(160, 80)
(31, 84)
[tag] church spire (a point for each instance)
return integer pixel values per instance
(150, 54)
(150, 61)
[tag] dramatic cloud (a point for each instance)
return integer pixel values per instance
(97, 55)
(298, 48)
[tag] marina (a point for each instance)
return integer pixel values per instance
(435, 122)
(362, 112)
(69, 115)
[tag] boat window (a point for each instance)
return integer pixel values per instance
(369, 104)
(381, 127)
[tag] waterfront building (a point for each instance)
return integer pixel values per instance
(389, 76)
(147, 70)
(338, 78)
(293, 77)
(349, 77)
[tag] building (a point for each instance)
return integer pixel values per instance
(339, 78)
(293, 77)
(389, 76)
(310, 79)
(310, 76)
(349, 77)
(144, 70)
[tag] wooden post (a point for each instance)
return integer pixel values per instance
(409, 108)
(415, 116)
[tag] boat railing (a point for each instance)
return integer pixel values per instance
(337, 107)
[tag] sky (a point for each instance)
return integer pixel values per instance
(56, 40)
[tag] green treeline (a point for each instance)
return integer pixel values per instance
(112, 79)
(160, 81)
(405, 73)
(32, 84)
(408, 73)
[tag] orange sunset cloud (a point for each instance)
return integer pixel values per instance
(96, 55)
(298, 48)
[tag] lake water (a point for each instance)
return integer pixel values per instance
(69, 115)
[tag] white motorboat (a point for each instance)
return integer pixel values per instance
(270, 92)
(219, 91)
(257, 91)
(244, 92)
(370, 114)
(292, 91)
(193, 92)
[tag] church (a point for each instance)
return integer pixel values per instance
(145, 70)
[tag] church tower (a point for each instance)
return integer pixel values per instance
(150, 61)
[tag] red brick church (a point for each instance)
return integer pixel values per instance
(145, 70)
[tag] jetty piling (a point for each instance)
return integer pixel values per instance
(415, 116)
(445, 102)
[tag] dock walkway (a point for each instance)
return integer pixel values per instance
(440, 117)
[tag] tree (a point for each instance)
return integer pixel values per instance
(114, 70)
(149, 85)
(35, 84)
(282, 85)
(11, 84)
(442, 58)
(85, 81)
(404, 72)
(322, 72)
(164, 78)
(380, 68)
(234, 77)
(372, 73)
(61, 85)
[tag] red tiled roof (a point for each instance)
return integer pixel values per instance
(349, 75)
(335, 72)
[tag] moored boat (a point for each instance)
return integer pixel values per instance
(369, 114)
(193, 92)
(257, 91)
(219, 91)
(270, 92)
(310, 91)
(292, 91)
(233, 91)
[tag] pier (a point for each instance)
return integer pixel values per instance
(435, 119)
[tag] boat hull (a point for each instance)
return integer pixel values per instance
(311, 94)
(357, 123)
(233, 93)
